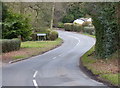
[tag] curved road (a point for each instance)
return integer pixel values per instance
(58, 67)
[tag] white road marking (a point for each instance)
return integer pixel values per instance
(35, 83)
(75, 45)
(35, 74)
(77, 39)
(61, 55)
(54, 58)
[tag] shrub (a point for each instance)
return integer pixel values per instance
(89, 30)
(68, 26)
(53, 35)
(10, 44)
(77, 27)
(60, 25)
(73, 27)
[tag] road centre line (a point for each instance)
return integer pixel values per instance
(35, 83)
(77, 39)
(35, 74)
(54, 58)
(75, 46)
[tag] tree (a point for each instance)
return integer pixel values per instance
(105, 21)
(14, 25)
(38, 12)
(74, 11)
(52, 18)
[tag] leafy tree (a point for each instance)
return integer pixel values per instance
(68, 18)
(74, 11)
(105, 21)
(14, 25)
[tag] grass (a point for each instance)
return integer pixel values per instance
(88, 35)
(31, 48)
(113, 78)
(89, 61)
(86, 60)
(39, 44)
(18, 57)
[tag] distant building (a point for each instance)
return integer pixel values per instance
(81, 21)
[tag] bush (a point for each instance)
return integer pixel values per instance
(53, 35)
(73, 27)
(60, 25)
(77, 27)
(89, 30)
(10, 44)
(68, 26)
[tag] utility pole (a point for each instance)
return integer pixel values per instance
(52, 18)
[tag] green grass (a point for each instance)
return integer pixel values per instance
(39, 44)
(113, 78)
(88, 60)
(18, 57)
(88, 35)
(85, 56)
(32, 48)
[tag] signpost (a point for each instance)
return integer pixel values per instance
(40, 35)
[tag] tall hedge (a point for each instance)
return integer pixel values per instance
(10, 44)
(105, 21)
(73, 27)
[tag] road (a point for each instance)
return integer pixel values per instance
(58, 67)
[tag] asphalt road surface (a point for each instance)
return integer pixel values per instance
(58, 67)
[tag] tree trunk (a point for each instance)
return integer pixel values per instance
(52, 18)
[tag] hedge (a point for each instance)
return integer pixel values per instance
(89, 30)
(77, 27)
(73, 27)
(106, 25)
(10, 45)
(68, 26)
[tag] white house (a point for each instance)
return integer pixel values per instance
(81, 21)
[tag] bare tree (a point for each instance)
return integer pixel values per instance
(52, 18)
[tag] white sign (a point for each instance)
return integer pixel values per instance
(41, 34)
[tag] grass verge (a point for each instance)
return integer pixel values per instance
(88, 35)
(105, 70)
(31, 48)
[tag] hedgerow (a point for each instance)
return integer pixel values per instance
(73, 27)
(10, 44)
(105, 20)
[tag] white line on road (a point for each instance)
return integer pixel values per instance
(60, 54)
(77, 39)
(35, 74)
(54, 58)
(35, 83)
